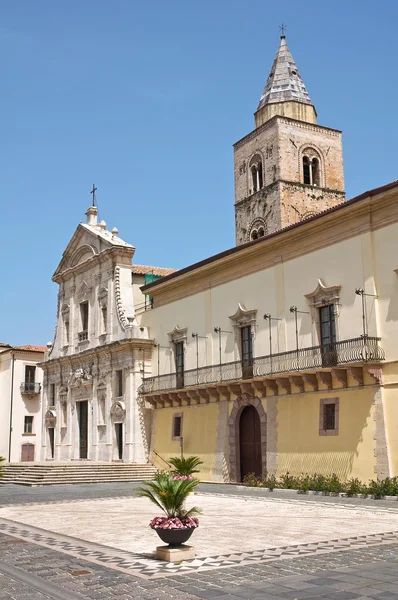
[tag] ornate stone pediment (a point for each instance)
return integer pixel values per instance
(50, 417)
(243, 317)
(103, 297)
(324, 295)
(83, 292)
(118, 410)
(179, 334)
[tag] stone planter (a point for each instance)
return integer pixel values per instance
(175, 537)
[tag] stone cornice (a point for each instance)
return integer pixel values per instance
(278, 119)
(91, 353)
(268, 188)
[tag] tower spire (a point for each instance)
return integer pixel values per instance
(285, 93)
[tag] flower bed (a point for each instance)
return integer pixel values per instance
(174, 523)
(327, 484)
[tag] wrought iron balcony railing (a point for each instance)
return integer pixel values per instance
(357, 350)
(30, 388)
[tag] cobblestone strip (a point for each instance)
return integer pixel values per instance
(372, 570)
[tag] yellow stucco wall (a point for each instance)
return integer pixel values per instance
(199, 431)
(302, 450)
(391, 417)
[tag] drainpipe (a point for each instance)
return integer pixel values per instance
(11, 405)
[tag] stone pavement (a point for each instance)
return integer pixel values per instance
(36, 564)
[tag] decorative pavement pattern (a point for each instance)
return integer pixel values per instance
(147, 567)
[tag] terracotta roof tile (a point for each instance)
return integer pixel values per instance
(30, 348)
(143, 270)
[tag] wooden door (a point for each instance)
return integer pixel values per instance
(83, 428)
(28, 452)
(250, 442)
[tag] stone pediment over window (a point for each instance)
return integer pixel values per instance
(243, 317)
(179, 334)
(103, 297)
(84, 292)
(324, 294)
(118, 410)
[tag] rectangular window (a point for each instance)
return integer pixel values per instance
(84, 316)
(104, 314)
(118, 383)
(28, 425)
(66, 332)
(247, 351)
(52, 394)
(30, 373)
(179, 357)
(177, 426)
(327, 324)
(329, 416)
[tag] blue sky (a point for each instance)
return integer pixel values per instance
(146, 99)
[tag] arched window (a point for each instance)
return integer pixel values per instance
(306, 170)
(256, 172)
(311, 168)
(258, 229)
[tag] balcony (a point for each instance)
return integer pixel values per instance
(83, 336)
(298, 368)
(30, 388)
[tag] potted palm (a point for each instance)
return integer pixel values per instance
(169, 494)
(185, 467)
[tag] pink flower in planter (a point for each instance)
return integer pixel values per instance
(174, 523)
(178, 477)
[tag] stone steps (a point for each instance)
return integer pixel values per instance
(56, 474)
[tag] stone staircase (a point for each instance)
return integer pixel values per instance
(78, 472)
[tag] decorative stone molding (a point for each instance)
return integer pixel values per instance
(84, 292)
(50, 417)
(103, 297)
(243, 317)
(80, 377)
(125, 321)
(179, 334)
(118, 411)
(234, 447)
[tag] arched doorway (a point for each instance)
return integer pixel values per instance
(250, 442)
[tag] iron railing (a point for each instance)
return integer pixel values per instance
(83, 336)
(30, 388)
(357, 350)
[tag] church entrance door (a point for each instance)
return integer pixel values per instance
(119, 439)
(250, 442)
(51, 440)
(83, 428)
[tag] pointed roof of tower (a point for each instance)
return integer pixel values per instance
(284, 83)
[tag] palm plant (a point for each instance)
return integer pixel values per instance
(170, 494)
(185, 465)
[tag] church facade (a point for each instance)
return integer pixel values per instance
(278, 355)
(98, 357)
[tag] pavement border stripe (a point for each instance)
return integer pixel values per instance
(38, 584)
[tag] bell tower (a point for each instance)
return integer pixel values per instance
(289, 167)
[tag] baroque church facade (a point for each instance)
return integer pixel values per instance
(97, 360)
(276, 355)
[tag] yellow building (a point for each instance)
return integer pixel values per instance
(280, 354)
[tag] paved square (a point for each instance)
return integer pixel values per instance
(228, 526)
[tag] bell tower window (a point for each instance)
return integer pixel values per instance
(256, 173)
(311, 171)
